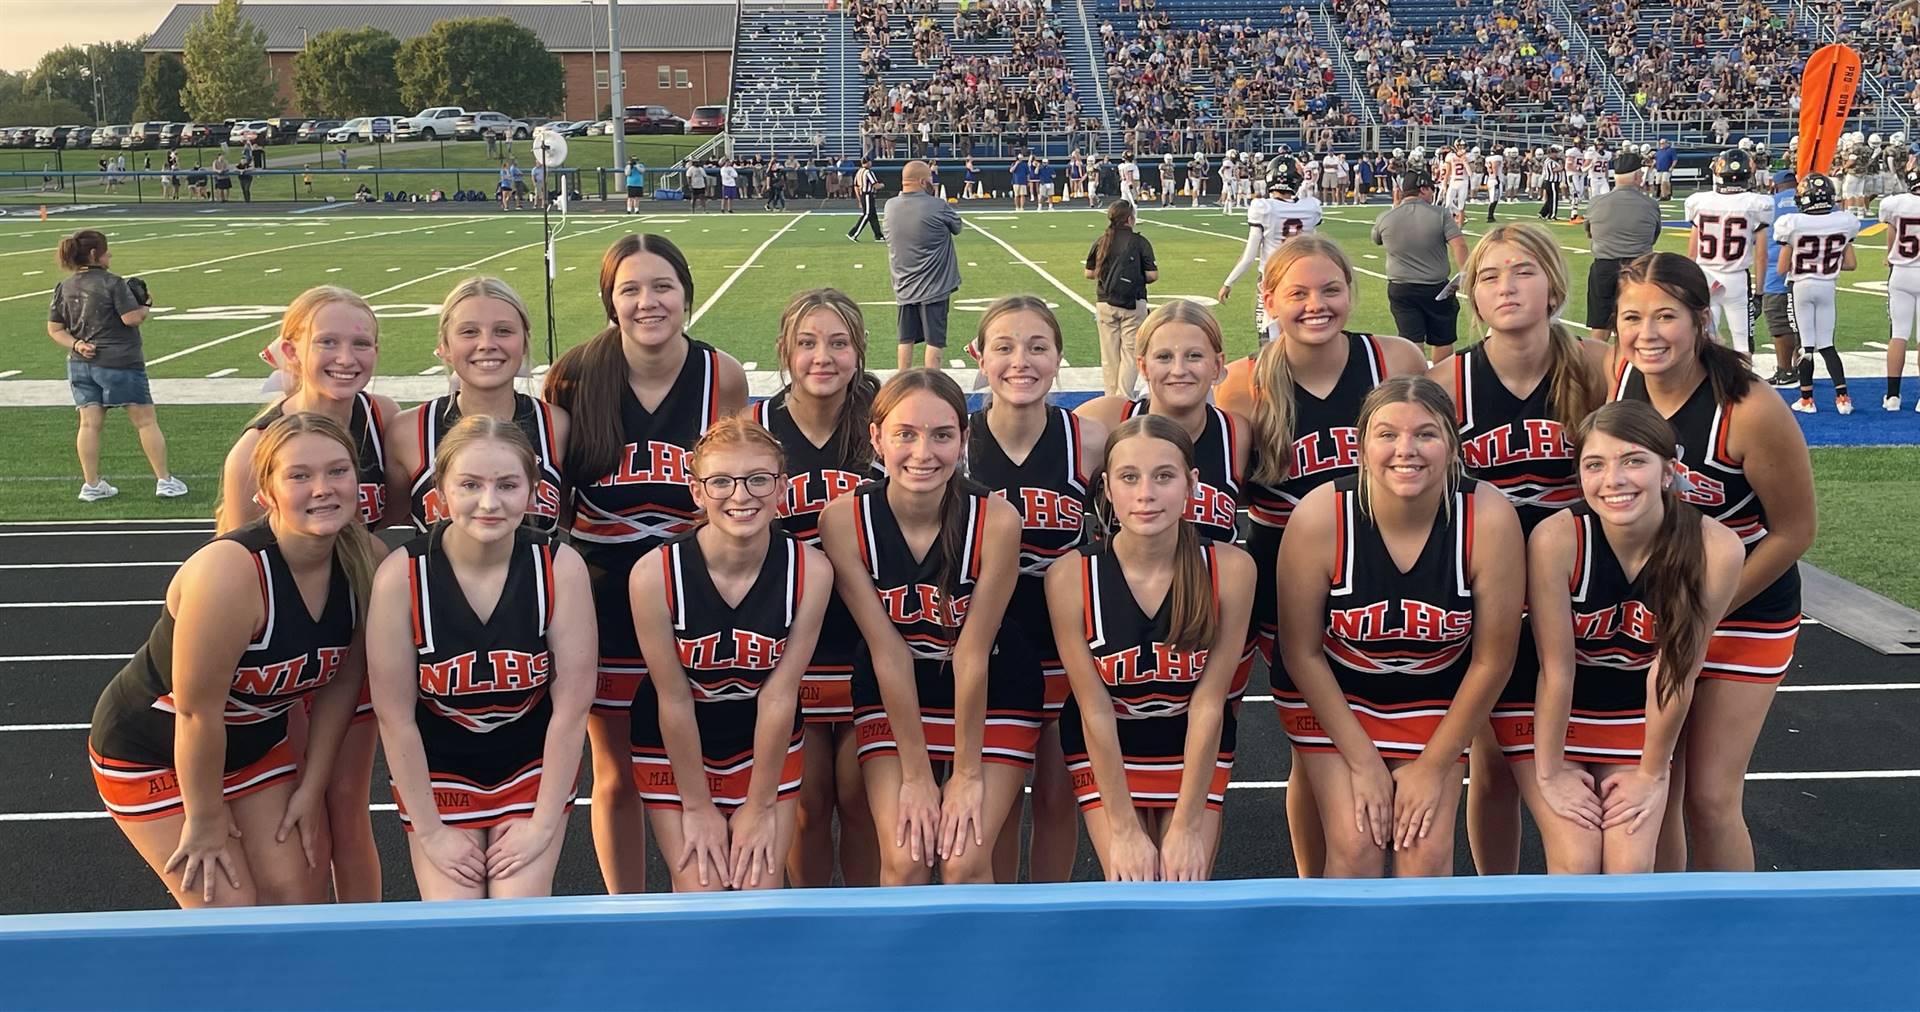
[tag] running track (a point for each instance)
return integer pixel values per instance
(1833, 783)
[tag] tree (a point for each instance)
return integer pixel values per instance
(121, 67)
(31, 111)
(62, 74)
(227, 71)
(347, 72)
(480, 63)
(160, 88)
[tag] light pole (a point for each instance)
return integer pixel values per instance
(593, 54)
(613, 85)
(93, 78)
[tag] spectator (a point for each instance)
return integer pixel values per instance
(1122, 265)
(222, 183)
(1663, 158)
(96, 315)
(926, 272)
(1624, 223)
(697, 183)
(636, 184)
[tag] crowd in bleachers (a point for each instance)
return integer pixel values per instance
(1888, 41)
(1205, 84)
(1691, 57)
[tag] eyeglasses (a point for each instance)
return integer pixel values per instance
(720, 486)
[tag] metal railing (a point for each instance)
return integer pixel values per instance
(1095, 57)
(1632, 123)
(1886, 109)
(296, 185)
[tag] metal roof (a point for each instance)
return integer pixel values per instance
(644, 27)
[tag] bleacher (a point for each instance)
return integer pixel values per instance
(788, 79)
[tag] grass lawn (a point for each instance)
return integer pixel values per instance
(220, 285)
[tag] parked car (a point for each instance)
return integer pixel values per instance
(206, 135)
(348, 131)
(54, 137)
(174, 135)
(437, 123)
(474, 126)
(576, 128)
(81, 137)
(599, 128)
(18, 137)
(652, 119)
(286, 129)
(112, 136)
(143, 135)
(257, 130)
(707, 119)
(314, 131)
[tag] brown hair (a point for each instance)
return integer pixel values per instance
(82, 249)
(1574, 387)
(1429, 395)
(1273, 407)
(587, 380)
(1018, 304)
(953, 506)
(851, 445)
(1729, 371)
(474, 429)
(1195, 613)
(353, 546)
(1118, 214)
(296, 328)
(1672, 573)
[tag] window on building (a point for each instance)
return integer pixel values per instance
(680, 78)
(666, 77)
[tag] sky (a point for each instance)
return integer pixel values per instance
(36, 27)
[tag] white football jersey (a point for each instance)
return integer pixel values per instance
(1280, 220)
(1592, 157)
(1457, 167)
(1495, 163)
(1818, 241)
(1901, 212)
(1726, 222)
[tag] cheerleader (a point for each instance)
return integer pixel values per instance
(1747, 461)
(820, 419)
(1398, 624)
(640, 394)
(727, 616)
(1041, 458)
(1182, 357)
(189, 741)
(970, 181)
(927, 561)
(328, 347)
(1623, 590)
(483, 341)
(1303, 393)
(481, 648)
(1517, 395)
(1148, 731)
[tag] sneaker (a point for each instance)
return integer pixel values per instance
(1843, 404)
(1805, 406)
(97, 491)
(1783, 378)
(1891, 403)
(853, 238)
(170, 487)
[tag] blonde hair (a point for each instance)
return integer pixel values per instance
(852, 448)
(1179, 311)
(296, 328)
(353, 546)
(483, 287)
(1429, 395)
(1272, 380)
(1574, 387)
(475, 429)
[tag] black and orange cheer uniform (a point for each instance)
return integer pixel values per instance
(1217, 498)
(728, 652)
(1614, 632)
(1754, 643)
(1398, 643)
(1326, 445)
(1519, 447)
(484, 704)
(815, 478)
(290, 655)
(1149, 683)
(645, 500)
(364, 426)
(534, 418)
(929, 620)
(1048, 490)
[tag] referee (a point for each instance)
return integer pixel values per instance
(866, 189)
(1418, 237)
(1624, 223)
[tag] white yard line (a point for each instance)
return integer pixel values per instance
(713, 299)
(264, 253)
(1078, 299)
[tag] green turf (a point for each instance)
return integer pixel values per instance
(407, 263)
(1858, 490)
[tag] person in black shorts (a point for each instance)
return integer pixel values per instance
(1418, 237)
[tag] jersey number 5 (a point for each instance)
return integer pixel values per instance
(1906, 239)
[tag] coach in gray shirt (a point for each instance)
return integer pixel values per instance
(1418, 236)
(920, 230)
(1624, 223)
